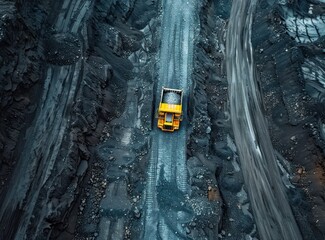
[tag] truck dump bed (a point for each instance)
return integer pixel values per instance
(170, 109)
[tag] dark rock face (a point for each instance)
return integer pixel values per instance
(20, 71)
(81, 77)
(8, 11)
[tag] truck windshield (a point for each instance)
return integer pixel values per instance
(169, 117)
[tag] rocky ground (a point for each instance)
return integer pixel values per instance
(78, 86)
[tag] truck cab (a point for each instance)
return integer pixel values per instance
(170, 109)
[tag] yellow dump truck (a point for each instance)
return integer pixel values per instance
(170, 109)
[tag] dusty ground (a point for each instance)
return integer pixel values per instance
(78, 83)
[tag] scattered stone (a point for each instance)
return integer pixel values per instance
(300, 171)
(213, 194)
(293, 138)
(137, 213)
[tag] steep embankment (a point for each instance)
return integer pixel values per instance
(287, 37)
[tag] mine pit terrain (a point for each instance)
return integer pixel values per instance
(81, 156)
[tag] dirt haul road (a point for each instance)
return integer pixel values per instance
(271, 209)
(167, 174)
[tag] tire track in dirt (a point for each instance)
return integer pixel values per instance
(175, 64)
(270, 206)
